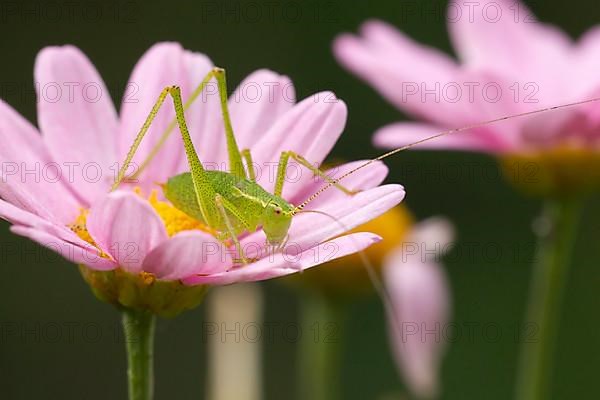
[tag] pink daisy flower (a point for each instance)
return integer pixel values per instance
(508, 63)
(65, 203)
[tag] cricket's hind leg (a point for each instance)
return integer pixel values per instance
(203, 189)
(247, 156)
(281, 168)
(235, 158)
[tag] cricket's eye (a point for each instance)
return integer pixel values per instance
(278, 210)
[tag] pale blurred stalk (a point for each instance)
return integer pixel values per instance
(546, 296)
(319, 349)
(234, 352)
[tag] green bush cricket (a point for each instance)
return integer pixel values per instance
(230, 203)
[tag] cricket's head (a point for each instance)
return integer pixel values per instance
(277, 219)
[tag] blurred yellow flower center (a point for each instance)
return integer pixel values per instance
(559, 171)
(392, 226)
(347, 276)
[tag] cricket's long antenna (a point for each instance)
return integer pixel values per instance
(437, 135)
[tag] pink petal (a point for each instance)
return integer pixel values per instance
(503, 36)
(408, 133)
(282, 264)
(586, 62)
(77, 118)
(420, 308)
(17, 133)
(363, 179)
(17, 194)
(403, 71)
(257, 103)
(70, 251)
(310, 229)
(27, 172)
(187, 253)
(311, 129)
(126, 227)
(18, 216)
(558, 127)
(164, 64)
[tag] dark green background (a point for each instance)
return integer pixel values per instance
(37, 288)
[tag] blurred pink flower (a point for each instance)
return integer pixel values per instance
(508, 63)
(75, 216)
(420, 305)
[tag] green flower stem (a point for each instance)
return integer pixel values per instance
(139, 336)
(548, 282)
(320, 348)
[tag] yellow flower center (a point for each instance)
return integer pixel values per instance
(559, 171)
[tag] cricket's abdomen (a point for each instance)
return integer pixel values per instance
(248, 197)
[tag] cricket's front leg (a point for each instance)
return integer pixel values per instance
(281, 168)
(140, 136)
(224, 206)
